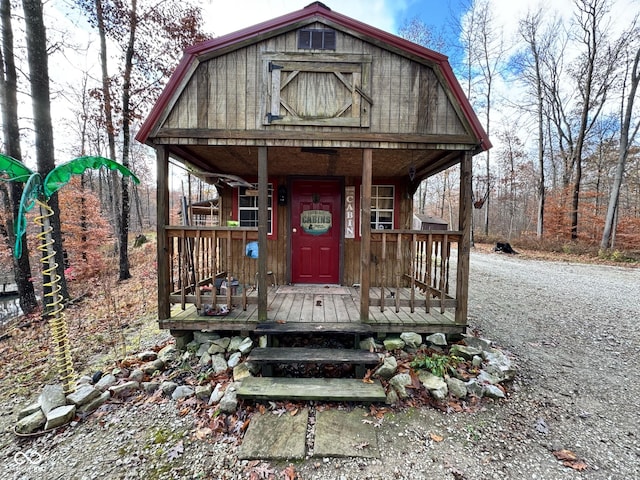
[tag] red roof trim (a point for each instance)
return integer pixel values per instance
(316, 9)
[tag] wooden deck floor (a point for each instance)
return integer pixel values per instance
(319, 304)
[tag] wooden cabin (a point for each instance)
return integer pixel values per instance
(318, 129)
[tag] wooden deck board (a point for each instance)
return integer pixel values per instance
(301, 308)
(312, 355)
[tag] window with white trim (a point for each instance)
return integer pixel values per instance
(382, 205)
(248, 207)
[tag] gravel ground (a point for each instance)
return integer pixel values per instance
(572, 329)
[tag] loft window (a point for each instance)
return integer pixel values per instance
(311, 39)
(248, 207)
(382, 206)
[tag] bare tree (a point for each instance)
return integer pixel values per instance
(538, 42)
(38, 60)
(11, 133)
(628, 133)
(594, 74)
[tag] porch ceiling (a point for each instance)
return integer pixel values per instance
(243, 160)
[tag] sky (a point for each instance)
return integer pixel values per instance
(223, 17)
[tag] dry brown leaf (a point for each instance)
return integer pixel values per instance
(436, 438)
(202, 433)
(293, 412)
(290, 473)
(565, 455)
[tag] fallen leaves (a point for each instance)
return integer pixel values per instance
(435, 437)
(570, 459)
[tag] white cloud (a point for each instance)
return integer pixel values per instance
(223, 18)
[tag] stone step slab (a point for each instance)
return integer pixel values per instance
(327, 389)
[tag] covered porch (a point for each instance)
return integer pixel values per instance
(214, 286)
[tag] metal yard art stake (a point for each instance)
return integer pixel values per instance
(37, 192)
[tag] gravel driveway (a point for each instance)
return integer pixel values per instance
(572, 329)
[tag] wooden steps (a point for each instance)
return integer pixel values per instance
(269, 387)
(312, 355)
(326, 389)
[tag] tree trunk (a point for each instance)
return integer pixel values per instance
(39, 81)
(114, 197)
(126, 141)
(11, 132)
(626, 138)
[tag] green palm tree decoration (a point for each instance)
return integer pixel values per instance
(37, 192)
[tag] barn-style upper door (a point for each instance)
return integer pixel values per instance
(322, 90)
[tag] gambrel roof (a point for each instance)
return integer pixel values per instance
(315, 12)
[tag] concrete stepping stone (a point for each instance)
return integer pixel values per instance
(273, 437)
(344, 434)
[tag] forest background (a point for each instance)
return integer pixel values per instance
(558, 96)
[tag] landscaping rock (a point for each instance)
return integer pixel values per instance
(60, 416)
(205, 337)
(485, 377)
(388, 368)
(136, 375)
(411, 339)
(96, 403)
(218, 364)
(152, 367)
(169, 354)
(168, 387)
(234, 343)
(229, 402)
(202, 349)
(150, 387)
(182, 391)
(215, 349)
(84, 380)
(124, 388)
(370, 344)
(436, 385)
(147, 356)
(216, 395)
(477, 342)
(234, 359)
(52, 396)
(246, 346)
(205, 359)
(438, 339)
(106, 382)
(463, 351)
(29, 410)
(203, 392)
(456, 387)
(476, 361)
(222, 342)
(241, 371)
(474, 388)
(399, 384)
(493, 391)
(31, 423)
(393, 343)
(83, 395)
(392, 397)
(498, 365)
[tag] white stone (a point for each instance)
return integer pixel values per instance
(60, 416)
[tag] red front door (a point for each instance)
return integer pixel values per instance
(316, 229)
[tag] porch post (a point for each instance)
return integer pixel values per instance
(365, 238)
(162, 213)
(462, 275)
(263, 212)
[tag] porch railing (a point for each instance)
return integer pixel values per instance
(206, 260)
(418, 260)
